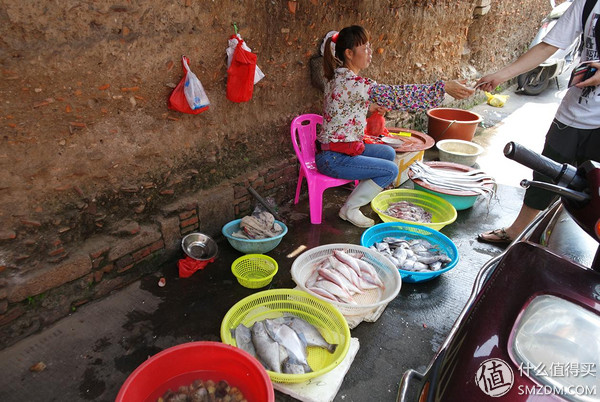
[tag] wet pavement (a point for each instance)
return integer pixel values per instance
(89, 354)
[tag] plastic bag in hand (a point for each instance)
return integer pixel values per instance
(193, 90)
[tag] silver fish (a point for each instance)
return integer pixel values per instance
(291, 367)
(266, 348)
(287, 337)
(309, 333)
(243, 339)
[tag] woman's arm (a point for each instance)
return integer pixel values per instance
(410, 97)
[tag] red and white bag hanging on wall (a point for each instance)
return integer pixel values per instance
(189, 95)
(242, 71)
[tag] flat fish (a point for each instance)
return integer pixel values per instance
(243, 339)
(287, 337)
(267, 350)
(412, 254)
(309, 333)
(291, 367)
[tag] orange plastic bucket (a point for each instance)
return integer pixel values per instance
(450, 123)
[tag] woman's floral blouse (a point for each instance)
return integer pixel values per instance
(347, 99)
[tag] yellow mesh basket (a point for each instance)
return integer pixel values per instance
(254, 270)
(442, 212)
(278, 302)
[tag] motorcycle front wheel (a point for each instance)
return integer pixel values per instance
(533, 82)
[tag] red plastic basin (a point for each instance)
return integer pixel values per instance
(182, 364)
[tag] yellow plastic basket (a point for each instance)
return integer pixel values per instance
(442, 212)
(254, 270)
(278, 302)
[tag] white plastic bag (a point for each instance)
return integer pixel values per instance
(258, 74)
(193, 89)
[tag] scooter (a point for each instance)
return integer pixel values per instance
(531, 328)
(535, 81)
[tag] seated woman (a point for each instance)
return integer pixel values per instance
(348, 97)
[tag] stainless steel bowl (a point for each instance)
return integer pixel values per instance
(199, 246)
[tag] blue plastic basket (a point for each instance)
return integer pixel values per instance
(397, 229)
(251, 246)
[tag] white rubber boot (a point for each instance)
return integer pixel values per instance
(361, 195)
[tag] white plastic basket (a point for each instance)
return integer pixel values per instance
(372, 299)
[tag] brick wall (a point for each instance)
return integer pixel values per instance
(53, 288)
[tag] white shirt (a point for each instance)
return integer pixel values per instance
(576, 110)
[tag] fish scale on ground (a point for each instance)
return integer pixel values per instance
(417, 255)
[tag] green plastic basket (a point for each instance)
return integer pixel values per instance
(278, 302)
(254, 270)
(442, 212)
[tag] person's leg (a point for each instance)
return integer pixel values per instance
(375, 163)
(376, 170)
(561, 145)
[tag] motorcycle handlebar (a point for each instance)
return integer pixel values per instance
(534, 161)
(563, 174)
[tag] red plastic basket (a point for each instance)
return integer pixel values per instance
(182, 364)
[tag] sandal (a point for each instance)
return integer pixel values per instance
(495, 236)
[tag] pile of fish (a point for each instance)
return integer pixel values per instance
(340, 276)
(408, 211)
(417, 255)
(474, 180)
(280, 343)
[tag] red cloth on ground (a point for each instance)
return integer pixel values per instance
(188, 266)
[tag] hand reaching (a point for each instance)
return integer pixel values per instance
(458, 90)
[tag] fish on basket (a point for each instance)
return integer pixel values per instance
(340, 276)
(280, 344)
(417, 255)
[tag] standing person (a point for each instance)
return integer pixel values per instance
(574, 135)
(348, 97)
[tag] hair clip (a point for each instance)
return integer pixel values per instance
(334, 37)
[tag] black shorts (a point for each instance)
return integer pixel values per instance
(563, 144)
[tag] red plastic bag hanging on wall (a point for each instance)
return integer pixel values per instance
(240, 75)
(177, 100)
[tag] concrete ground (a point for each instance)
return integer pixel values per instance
(89, 354)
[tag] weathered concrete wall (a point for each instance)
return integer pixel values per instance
(99, 180)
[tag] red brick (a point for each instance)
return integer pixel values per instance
(108, 268)
(239, 191)
(7, 234)
(121, 270)
(97, 262)
(143, 253)
(98, 253)
(157, 246)
(50, 277)
(29, 222)
(188, 229)
(187, 214)
(56, 252)
(124, 261)
(189, 222)
(11, 315)
(130, 245)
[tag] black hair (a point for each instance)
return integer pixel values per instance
(348, 38)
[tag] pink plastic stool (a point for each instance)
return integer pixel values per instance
(304, 135)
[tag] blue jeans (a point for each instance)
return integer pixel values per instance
(375, 163)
